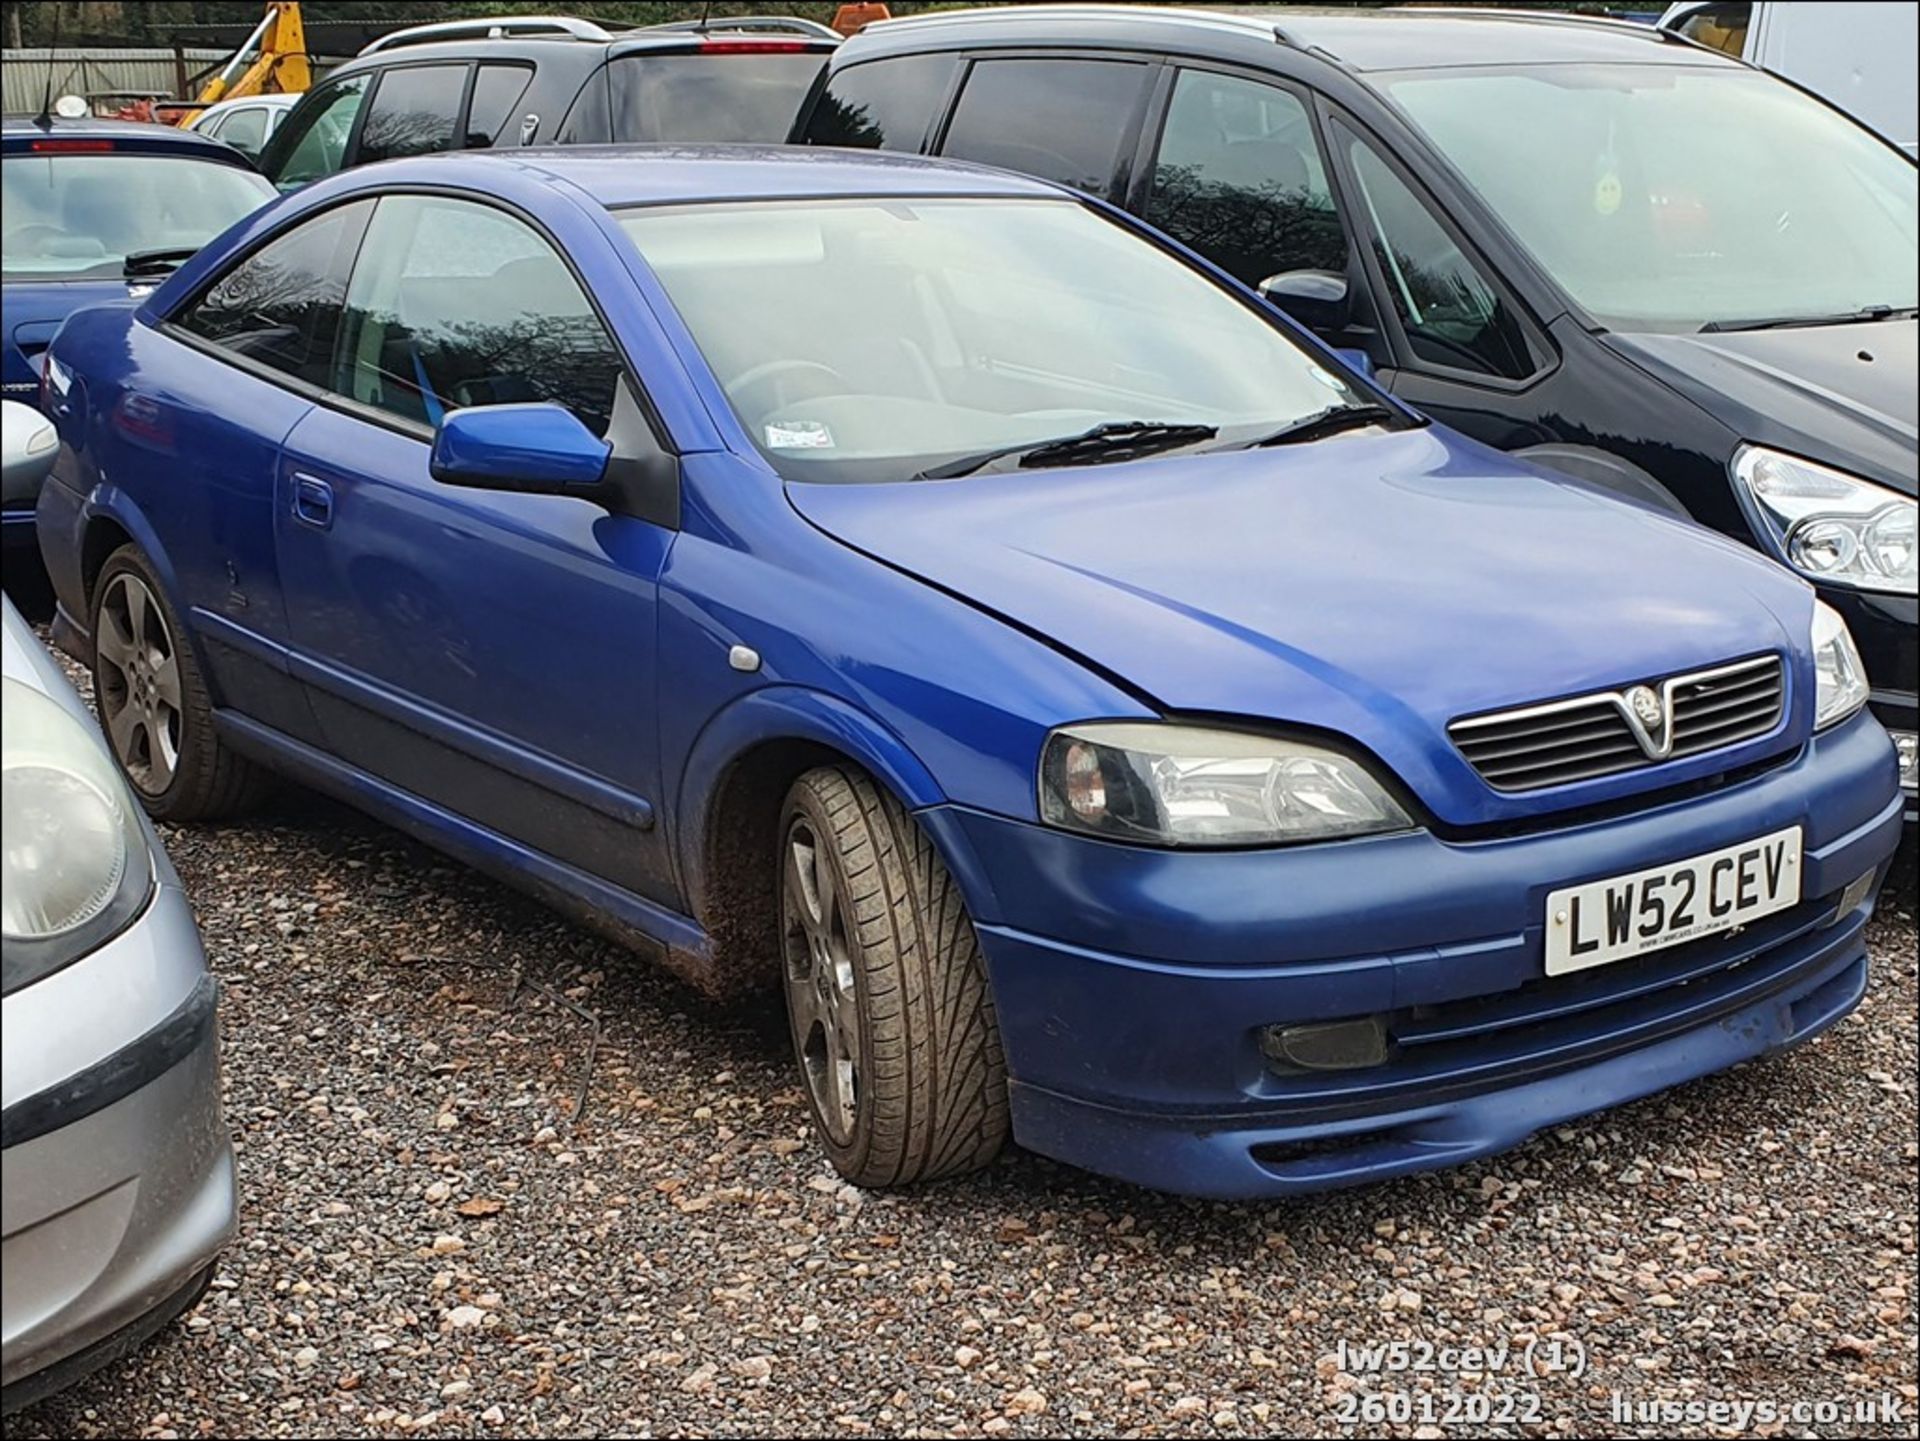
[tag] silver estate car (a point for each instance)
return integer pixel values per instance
(117, 1171)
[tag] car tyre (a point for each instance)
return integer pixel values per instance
(153, 702)
(887, 998)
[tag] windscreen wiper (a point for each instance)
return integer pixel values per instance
(1862, 316)
(150, 264)
(1322, 423)
(1108, 441)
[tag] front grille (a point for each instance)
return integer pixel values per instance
(1600, 735)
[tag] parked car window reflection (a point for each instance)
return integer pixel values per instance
(1240, 179)
(413, 112)
(885, 105)
(1062, 120)
(281, 306)
(1452, 315)
(491, 114)
(706, 97)
(313, 141)
(455, 304)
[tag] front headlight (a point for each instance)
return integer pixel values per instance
(1840, 678)
(74, 867)
(1831, 526)
(1173, 785)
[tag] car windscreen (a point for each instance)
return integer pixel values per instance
(76, 215)
(874, 339)
(1671, 197)
(714, 95)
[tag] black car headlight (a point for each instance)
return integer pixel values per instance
(1177, 785)
(1831, 526)
(74, 865)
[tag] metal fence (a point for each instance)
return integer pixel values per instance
(94, 71)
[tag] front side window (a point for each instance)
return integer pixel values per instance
(882, 105)
(700, 97)
(1453, 317)
(455, 304)
(1724, 27)
(245, 129)
(1239, 178)
(74, 216)
(1669, 197)
(413, 112)
(313, 141)
(281, 305)
(1062, 120)
(872, 340)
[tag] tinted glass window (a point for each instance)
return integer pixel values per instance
(313, 141)
(281, 305)
(246, 129)
(492, 118)
(884, 105)
(456, 304)
(413, 112)
(710, 97)
(1452, 315)
(1059, 119)
(1240, 179)
(64, 216)
(1724, 27)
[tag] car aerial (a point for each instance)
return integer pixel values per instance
(90, 210)
(522, 80)
(119, 1180)
(932, 591)
(246, 123)
(1580, 240)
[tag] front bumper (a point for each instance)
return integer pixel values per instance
(1133, 986)
(119, 1179)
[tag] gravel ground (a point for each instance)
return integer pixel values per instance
(428, 1246)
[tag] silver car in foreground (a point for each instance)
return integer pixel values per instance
(116, 1173)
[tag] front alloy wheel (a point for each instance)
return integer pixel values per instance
(138, 683)
(887, 999)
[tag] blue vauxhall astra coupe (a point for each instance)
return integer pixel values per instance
(1115, 723)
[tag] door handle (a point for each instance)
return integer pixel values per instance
(312, 501)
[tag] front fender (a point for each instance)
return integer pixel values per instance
(786, 713)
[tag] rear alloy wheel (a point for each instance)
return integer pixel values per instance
(887, 997)
(153, 703)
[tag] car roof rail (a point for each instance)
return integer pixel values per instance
(499, 27)
(761, 24)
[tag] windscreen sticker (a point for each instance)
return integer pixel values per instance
(798, 435)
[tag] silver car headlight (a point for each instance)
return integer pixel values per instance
(74, 866)
(1175, 785)
(1840, 678)
(1831, 526)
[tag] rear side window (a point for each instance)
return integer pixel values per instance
(1062, 120)
(492, 114)
(456, 304)
(413, 112)
(719, 96)
(281, 305)
(882, 105)
(313, 140)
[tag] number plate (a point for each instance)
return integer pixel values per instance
(1604, 921)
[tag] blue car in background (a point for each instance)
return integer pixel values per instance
(94, 210)
(1113, 722)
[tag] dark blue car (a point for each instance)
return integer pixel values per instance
(77, 199)
(1114, 722)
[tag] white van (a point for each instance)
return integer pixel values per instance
(1859, 56)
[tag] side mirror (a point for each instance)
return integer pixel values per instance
(1318, 299)
(538, 449)
(28, 445)
(1356, 360)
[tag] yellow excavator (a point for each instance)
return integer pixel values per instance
(272, 61)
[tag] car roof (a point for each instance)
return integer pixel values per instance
(1415, 38)
(685, 174)
(567, 50)
(280, 100)
(19, 131)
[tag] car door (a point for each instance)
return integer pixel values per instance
(492, 654)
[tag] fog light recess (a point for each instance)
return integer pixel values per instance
(1327, 1045)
